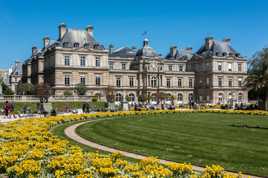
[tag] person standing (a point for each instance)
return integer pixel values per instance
(6, 108)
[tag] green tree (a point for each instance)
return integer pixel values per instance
(257, 79)
(80, 89)
(5, 89)
(25, 89)
(109, 92)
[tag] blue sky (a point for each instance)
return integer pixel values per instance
(186, 23)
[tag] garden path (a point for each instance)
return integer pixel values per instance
(71, 133)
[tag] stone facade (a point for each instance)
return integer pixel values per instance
(77, 58)
(220, 73)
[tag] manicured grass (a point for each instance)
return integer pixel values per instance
(237, 142)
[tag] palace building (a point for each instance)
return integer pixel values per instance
(214, 74)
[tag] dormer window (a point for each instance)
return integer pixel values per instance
(216, 54)
(86, 45)
(224, 54)
(65, 44)
(76, 45)
(237, 55)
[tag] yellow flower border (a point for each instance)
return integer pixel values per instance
(29, 149)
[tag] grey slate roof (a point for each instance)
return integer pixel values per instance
(77, 36)
(217, 48)
(16, 69)
(124, 52)
(183, 53)
(146, 50)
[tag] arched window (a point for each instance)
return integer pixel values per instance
(132, 97)
(180, 97)
(154, 82)
(220, 98)
(98, 95)
(118, 97)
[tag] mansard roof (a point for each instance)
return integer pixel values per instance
(81, 37)
(124, 52)
(217, 48)
(146, 50)
(16, 69)
(179, 54)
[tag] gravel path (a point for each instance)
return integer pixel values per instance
(71, 133)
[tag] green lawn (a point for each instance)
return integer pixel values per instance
(237, 142)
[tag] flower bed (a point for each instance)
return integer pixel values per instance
(28, 148)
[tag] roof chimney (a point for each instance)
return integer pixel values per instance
(145, 42)
(111, 48)
(90, 29)
(209, 42)
(62, 30)
(46, 41)
(34, 50)
(173, 51)
(227, 40)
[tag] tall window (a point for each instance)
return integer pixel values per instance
(98, 64)
(131, 81)
(82, 80)
(98, 80)
(170, 67)
(123, 66)
(179, 82)
(118, 97)
(208, 82)
(154, 82)
(82, 61)
(219, 66)
(240, 82)
(111, 65)
(229, 67)
(220, 98)
(132, 97)
(190, 83)
(230, 82)
(168, 83)
(220, 82)
(118, 82)
(239, 66)
(67, 60)
(180, 97)
(66, 80)
(181, 68)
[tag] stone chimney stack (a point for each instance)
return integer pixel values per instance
(209, 42)
(111, 47)
(145, 42)
(62, 30)
(34, 50)
(46, 41)
(89, 30)
(227, 40)
(173, 51)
